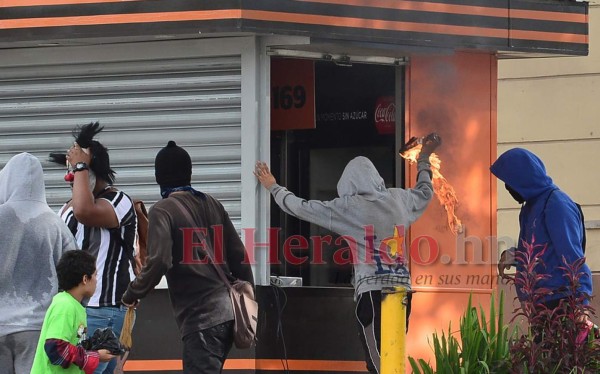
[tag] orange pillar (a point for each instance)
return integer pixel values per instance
(454, 95)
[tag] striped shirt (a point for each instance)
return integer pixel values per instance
(113, 262)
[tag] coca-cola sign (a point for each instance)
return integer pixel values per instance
(385, 115)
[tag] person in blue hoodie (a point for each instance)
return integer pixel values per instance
(548, 216)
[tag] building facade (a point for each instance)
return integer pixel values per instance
(306, 85)
(548, 106)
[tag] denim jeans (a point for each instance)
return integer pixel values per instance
(106, 316)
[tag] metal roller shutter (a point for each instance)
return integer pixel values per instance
(142, 105)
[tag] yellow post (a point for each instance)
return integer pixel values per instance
(393, 330)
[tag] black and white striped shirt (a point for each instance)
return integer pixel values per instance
(112, 260)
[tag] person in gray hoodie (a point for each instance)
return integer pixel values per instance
(33, 238)
(376, 218)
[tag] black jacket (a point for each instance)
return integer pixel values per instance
(198, 296)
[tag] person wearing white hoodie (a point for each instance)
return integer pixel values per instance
(376, 218)
(32, 240)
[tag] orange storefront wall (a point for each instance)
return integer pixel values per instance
(454, 95)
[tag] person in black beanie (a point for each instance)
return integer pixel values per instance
(199, 299)
(172, 167)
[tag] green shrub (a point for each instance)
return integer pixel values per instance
(558, 340)
(482, 348)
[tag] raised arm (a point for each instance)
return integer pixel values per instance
(314, 211)
(88, 210)
(418, 197)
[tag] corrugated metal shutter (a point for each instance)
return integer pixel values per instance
(142, 104)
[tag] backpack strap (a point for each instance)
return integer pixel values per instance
(189, 218)
(584, 239)
(141, 253)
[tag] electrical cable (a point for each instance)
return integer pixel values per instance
(279, 331)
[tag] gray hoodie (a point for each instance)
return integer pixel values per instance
(368, 213)
(32, 239)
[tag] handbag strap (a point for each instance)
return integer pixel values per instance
(189, 218)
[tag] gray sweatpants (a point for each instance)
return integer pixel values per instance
(17, 352)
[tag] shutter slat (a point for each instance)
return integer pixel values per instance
(142, 104)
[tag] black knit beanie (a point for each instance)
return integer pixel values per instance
(173, 166)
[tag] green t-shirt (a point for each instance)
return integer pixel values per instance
(65, 320)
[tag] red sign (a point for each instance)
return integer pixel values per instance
(385, 115)
(292, 94)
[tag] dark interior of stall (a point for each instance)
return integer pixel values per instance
(323, 115)
(309, 161)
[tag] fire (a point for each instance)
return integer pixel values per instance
(442, 188)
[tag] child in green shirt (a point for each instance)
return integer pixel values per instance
(65, 324)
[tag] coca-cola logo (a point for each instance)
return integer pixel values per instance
(385, 115)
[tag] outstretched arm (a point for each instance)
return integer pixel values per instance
(314, 211)
(159, 259)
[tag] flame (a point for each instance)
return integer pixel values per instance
(442, 188)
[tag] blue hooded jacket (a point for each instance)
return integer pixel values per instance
(549, 216)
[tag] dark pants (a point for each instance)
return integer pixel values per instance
(17, 351)
(205, 351)
(368, 316)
